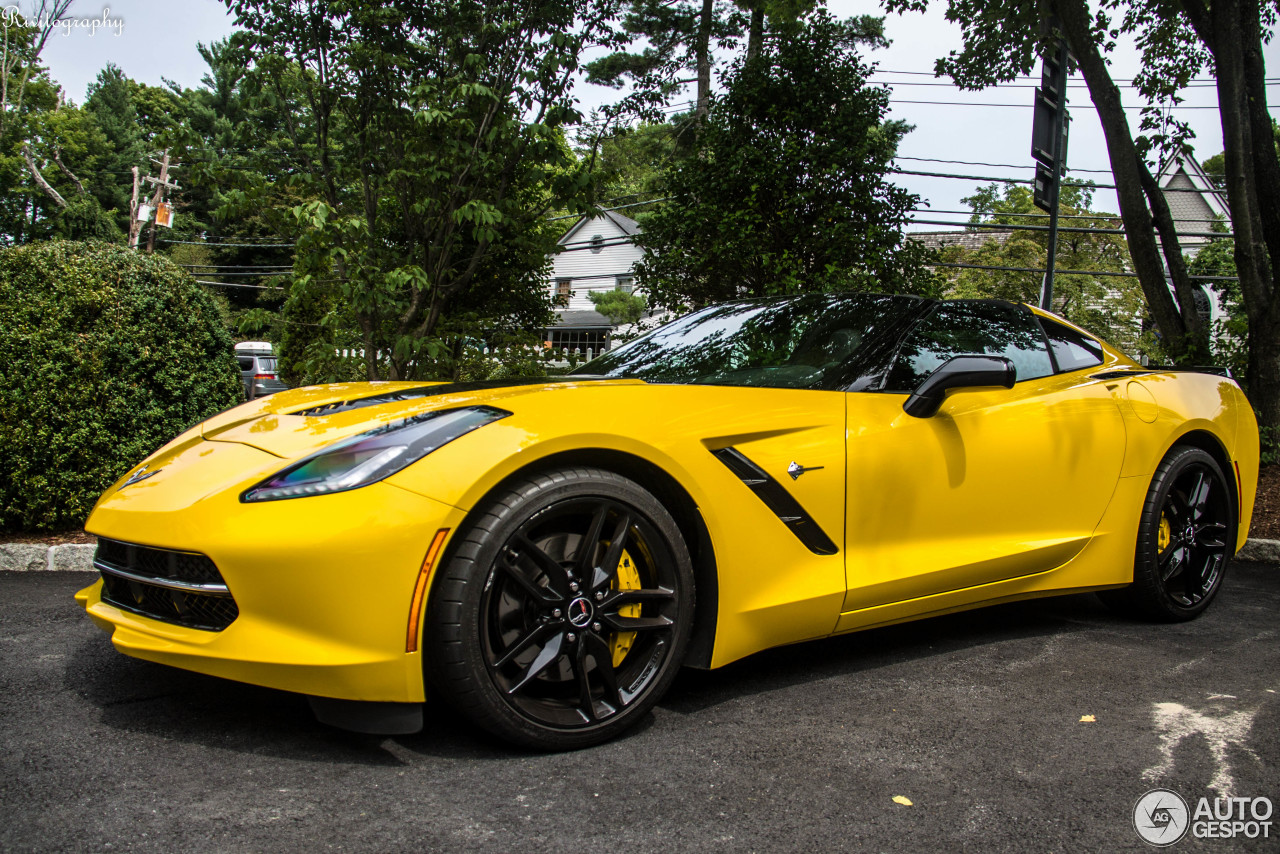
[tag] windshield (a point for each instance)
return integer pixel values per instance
(818, 341)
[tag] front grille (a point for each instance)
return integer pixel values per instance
(183, 588)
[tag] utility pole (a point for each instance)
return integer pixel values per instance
(135, 227)
(162, 184)
(1049, 147)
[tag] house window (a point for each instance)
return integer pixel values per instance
(626, 284)
(597, 243)
(564, 290)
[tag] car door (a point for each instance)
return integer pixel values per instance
(247, 370)
(999, 484)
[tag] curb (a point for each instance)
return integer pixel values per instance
(1262, 551)
(75, 557)
(32, 557)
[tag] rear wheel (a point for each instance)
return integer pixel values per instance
(1185, 539)
(563, 614)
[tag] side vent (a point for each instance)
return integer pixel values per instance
(778, 500)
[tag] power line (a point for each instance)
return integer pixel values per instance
(1089, 185)
(1037, 76)
(1030, 106)
(997, 165)
(216, 245)
(255, 275)
(1070, 272)
(1078, 230)
(234, 285)
(1080, 85)
(616, 208)
(278, 267)
(1103, 216)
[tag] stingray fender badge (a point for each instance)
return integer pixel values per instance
(795, 469)
(139, 476)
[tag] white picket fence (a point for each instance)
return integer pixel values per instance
(559, 358)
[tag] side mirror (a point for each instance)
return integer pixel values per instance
(959, 372)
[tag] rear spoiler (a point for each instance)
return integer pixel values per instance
(1216, 370)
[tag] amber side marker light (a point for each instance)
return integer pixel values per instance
(420, 589)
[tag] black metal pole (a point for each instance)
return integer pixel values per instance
(1046, 289)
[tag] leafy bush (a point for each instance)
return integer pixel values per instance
(1269, 445)
(105, 355)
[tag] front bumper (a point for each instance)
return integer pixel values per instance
(324, 585)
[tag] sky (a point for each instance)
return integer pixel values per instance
(155, 39)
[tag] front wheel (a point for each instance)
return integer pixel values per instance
(563, 614)
(1185, 539)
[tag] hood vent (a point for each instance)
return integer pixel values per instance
(427, 391)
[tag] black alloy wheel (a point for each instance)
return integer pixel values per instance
(1186, 537)
(562, 616)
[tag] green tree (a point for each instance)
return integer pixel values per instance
(1110, 306)
(26, 95)
(110, 103)
(1002, 39)
(629, 164)
(1180, 39)
(439, 148)
(788, 193)
(619, 306)
(679, 38)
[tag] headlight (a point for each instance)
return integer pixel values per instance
(372, 456)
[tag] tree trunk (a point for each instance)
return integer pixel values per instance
(1251, 255)
(39, 179)
(1126, 166)
(1266, 163)
(1232, 30)
(755, 36)
(702, 52)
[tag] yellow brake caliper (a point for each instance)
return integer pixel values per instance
(1165, 534)
(627, 579)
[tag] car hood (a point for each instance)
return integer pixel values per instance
(294, 423)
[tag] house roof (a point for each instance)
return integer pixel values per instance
(1188, 165)
(964, 239)
(627, 225)
(582, 320)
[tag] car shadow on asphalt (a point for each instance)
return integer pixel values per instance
(873, 649)
(168, 703)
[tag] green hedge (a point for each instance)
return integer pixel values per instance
(105, 355)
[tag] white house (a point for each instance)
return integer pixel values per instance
(1195, 203)
(1193, 200)
(597, 254)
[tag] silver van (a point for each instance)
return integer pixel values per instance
(258, 369)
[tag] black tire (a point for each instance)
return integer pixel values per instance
(1186, 537)
(550, 645)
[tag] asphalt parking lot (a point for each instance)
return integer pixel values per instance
(975, 719)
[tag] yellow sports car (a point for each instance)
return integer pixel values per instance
(544, 554)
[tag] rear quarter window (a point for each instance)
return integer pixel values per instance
(1072, 350)
(246, 363)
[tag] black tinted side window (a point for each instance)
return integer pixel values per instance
(1071, 350)
(246, 363)
(966, 328)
